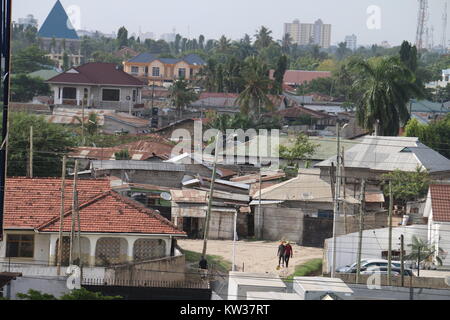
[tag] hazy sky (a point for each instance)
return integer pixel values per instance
(234, 18)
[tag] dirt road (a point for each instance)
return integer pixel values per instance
(253, 256)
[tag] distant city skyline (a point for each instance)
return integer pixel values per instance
(236, 18)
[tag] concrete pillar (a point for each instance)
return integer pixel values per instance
(130, 241)
(56, 94)
(52, 251)
(93, 244)
(78, 96)
(168, 242)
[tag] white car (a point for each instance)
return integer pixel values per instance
(368, 263)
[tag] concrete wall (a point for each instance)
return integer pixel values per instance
(166, 269)
(374, 242)
(111, 126)
(51, 285)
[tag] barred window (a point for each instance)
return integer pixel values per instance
(111, 95)
(20, 246)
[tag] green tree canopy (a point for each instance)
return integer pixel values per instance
(25, 88)
(407, 186)
(29, 60)
(50, 143)
(302, 149)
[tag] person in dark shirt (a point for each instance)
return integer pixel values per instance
(203, 265)
(280, 254)
(288, 253)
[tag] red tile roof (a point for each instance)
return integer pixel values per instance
(32, 202)
(97, 73)
(35, 204)
(153, 146)
(298, 111)
(110, 212)
(440, 202)
(298, 77)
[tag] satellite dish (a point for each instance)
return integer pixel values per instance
(166, 196)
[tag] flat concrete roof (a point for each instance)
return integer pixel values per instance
(257, 279)
(323, 284)
(255, 295)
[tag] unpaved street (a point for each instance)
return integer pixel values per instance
(253, 256)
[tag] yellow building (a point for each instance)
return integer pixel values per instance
(163, 71)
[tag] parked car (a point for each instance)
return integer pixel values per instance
(384, 270)
(367, 263)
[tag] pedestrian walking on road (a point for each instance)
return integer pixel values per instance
(281, 249)
(288, 253)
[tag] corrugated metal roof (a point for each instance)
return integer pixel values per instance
(391, 153)
(307, 186)
(135, 165)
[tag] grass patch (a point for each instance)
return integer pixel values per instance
(310, 268)
(221, 264)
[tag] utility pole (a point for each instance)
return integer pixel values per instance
(343, 180)
(74, 204)
(418, 261)
(234, 240)
(82, 122)
(402, 259)
(336, 196)
(391, 203)
(260, 219)
(61, 216)
(361, 227)
(31, 153)
(211, 191)
(5, 68)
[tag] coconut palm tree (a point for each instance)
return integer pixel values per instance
(181, 95)
(253, 99)
(223, 45)
(424, 253)
(263, 38)
(286, 43)
(384, 87)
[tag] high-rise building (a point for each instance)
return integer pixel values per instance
(309, 33)
(352, 42)
(29, 21)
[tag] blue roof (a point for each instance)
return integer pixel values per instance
(143, 58)
(191, 59)
(194, 59)
(57, 25)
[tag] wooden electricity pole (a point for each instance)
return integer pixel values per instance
(74, 205)
(61, 216)
(402, 259)
(211, 192)
(361, 227)
(391, 204)
(31, 153)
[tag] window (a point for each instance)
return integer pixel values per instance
(70, 93)
(134, 69)
(20, 246)
(182, 73)
(134, 95)
(111, 95)
(155, 71)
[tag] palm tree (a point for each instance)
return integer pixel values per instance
(424, 253)
(224, 45)
(181, 96)
(263, 38)
(384, 86)
(253, 99)
(286, 43)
